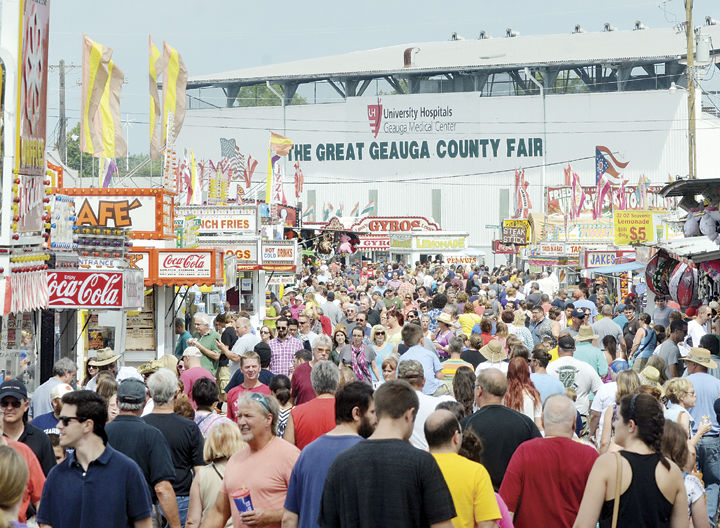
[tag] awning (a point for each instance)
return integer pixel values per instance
(617, 268)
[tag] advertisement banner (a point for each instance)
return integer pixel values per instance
(275, 253)
(457, 260)
(559, 199)
(500, 248)
(633, 227)
(516, 232)
(185, 264)
(440, 243)
(597, 259)
(32, 85)
(236, 220)
(393, 224)
(85, 289)
(373, 243)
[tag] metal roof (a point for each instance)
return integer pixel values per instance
(709, 188)
(698, 249)
(494, 54)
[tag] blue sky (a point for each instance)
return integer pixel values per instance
(215, 35)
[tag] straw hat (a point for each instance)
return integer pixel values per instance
(701, 356)
(585, 333)
(105, 356)
(651, 376)
(494, 352)
(444, 318)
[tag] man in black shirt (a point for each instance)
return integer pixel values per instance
(386, 469)
(501, 429)
(145, 445)
(15, 403)
(182, 435)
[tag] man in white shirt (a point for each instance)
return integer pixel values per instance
(304, 332)
(696, 327)
(412, 371)
(246, 342)
(575, 374)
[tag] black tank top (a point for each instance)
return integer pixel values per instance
(642, 505)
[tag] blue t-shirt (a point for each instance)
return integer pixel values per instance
(621, 320)
(707, 388)
(546, 385)
(112, 493)
(431, 365)
(304, 492)
(182, 344)
(380, 356)
(47, 423)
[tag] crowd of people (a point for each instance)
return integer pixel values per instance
(385, 395)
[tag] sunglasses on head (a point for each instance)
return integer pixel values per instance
(260, 398)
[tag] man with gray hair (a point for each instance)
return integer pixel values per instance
(206, 340)
(182, 435)
(63, 371)
(148, 447)
(302, 388)
(501, 429)
(310, 420)
(606, 326)
(545, 479)
(246, 342)
(266, 475)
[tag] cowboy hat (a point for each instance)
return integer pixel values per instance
(444, 318)
(701, 356)
(585, 333)
(104, 356)
(651, 376)
(494, 352)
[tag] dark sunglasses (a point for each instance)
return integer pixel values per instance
(379, 333)
(67, 419)
(9, 403)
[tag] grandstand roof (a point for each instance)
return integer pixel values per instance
(609, 48)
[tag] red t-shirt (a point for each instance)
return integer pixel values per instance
(34, 488)
(236, 392)
(326, 324)
(545, 481)
(313, 419)
(190, 376)
(302, 389)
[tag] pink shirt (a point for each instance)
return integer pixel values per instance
(236, 392)
(190, 376)
(265, 473)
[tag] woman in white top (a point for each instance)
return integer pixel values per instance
(521, 394)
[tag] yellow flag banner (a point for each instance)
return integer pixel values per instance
(279, 146)
(157, 69)
(173, 93)
(95, 60)
(109, 122)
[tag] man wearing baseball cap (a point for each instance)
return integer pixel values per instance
(147, 446)
(48, 422)
(14, 402)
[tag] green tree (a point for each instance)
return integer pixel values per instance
(260, 95)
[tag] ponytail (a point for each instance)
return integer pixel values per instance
(647, 414)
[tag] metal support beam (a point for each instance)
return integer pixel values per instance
(480, 81)
(549, 76)
(231, 93)
(395, 84)
(584, 77)
(519, 81)
(364, 86)
(289, 90)
(336, 88)
(623, 75)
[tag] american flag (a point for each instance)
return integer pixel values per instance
(230, 151)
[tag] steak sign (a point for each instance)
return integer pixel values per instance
(180, 264)
(85, 289)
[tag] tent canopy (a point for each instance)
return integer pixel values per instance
(617, 268)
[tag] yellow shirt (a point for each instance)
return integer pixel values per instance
(450, 367)
(553, 354)
(467, 321)
(471, 490)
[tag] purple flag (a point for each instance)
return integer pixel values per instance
(111, 170)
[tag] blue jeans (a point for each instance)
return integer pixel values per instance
(708, 461)
(183, 502)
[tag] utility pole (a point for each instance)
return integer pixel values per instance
(62, 139)
(690, 74)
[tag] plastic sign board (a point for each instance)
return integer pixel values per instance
(85, 289)
(516, 232)
(633, 227)
(500, 248)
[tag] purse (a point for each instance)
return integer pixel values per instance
(618, 485)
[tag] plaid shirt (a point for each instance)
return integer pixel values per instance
(283, 354)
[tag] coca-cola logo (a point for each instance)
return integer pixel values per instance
(190, 261)
(88, 289)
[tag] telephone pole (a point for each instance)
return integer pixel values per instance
(690, 74)
(62, 134)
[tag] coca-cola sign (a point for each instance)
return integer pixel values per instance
(85, 289)
(194, 264)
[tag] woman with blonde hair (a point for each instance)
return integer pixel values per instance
(15, 476)
(681, 397)
(628, 382)
(380, 345)
(222, 441)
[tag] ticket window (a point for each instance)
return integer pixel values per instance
(246, 289)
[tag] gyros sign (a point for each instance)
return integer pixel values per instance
(85, 289)
(181, 264)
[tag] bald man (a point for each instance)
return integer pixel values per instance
(469, 482)
(545, 479)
